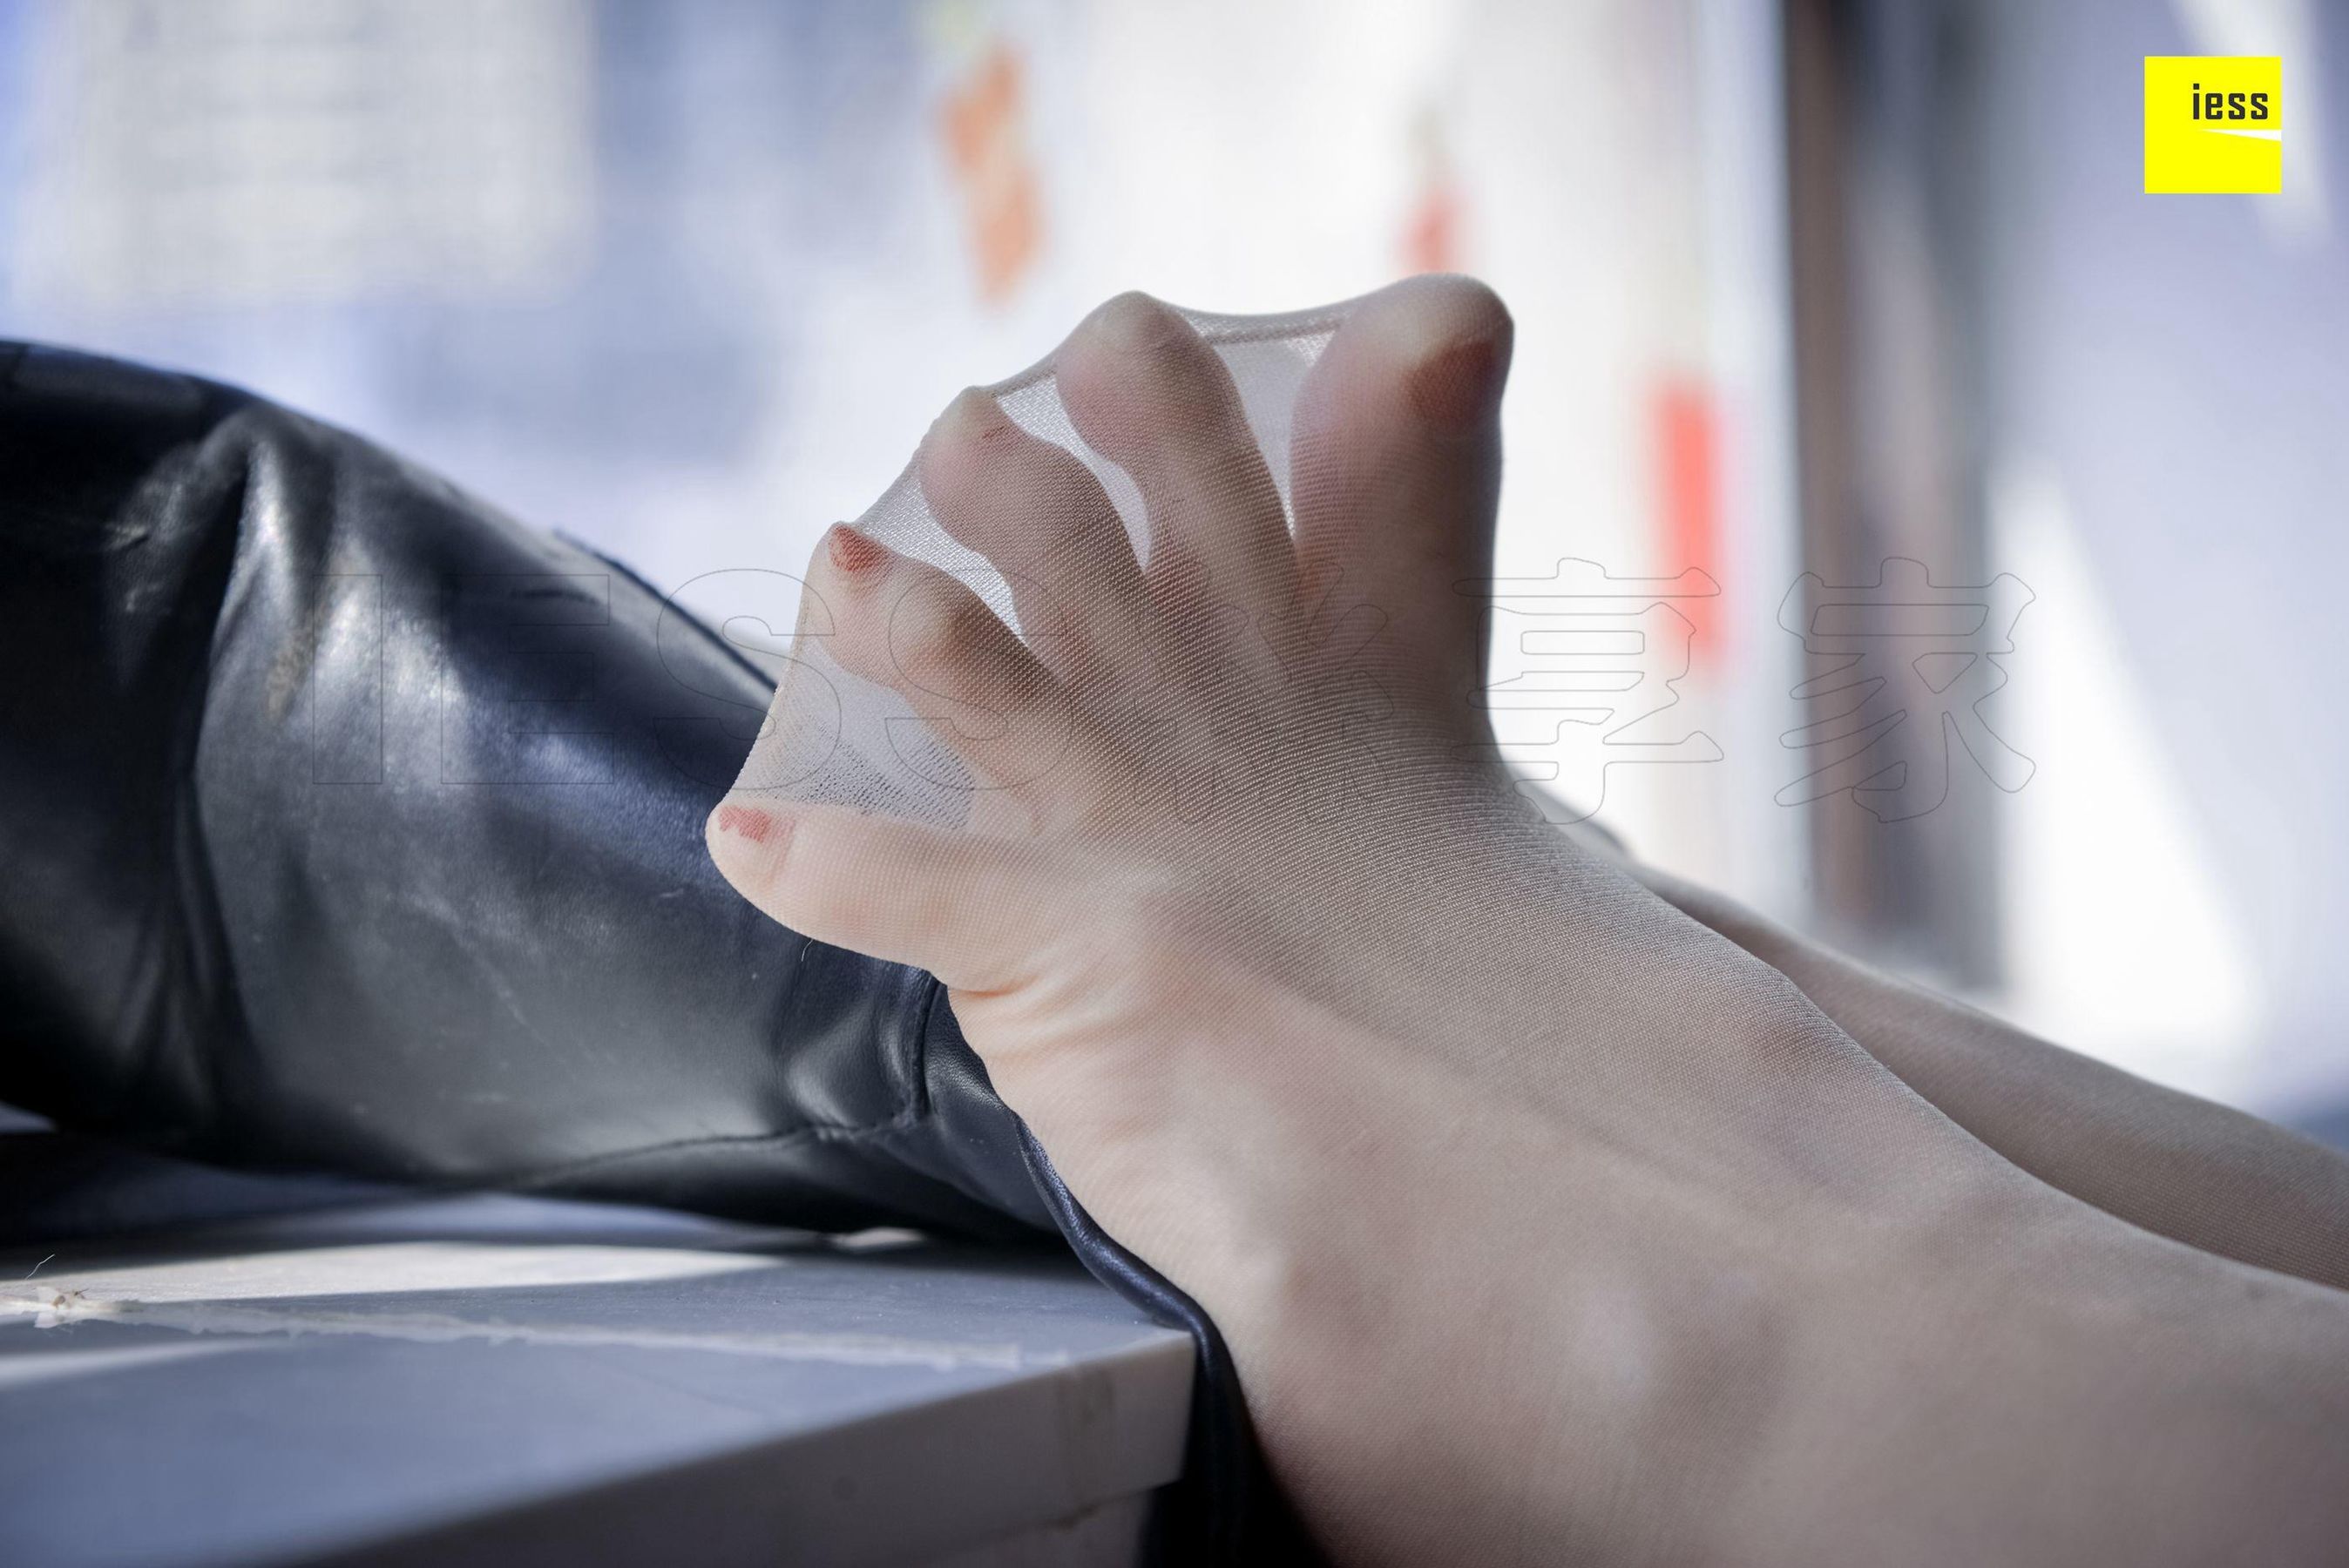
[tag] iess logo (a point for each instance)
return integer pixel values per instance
(2213, 123)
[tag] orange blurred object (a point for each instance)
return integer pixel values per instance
(1002, 199)
(1688, 494)
(1431, 236)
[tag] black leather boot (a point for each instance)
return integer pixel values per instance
(348, 826)
(351, 826)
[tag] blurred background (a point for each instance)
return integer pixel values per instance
(1909, 526)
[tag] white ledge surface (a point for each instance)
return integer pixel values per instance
(503, 1380)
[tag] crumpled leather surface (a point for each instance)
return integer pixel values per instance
(354, 827)
(351, 827)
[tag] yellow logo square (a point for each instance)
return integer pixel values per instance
(2213, 123)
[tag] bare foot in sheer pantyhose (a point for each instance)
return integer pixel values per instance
(1546, 1223)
